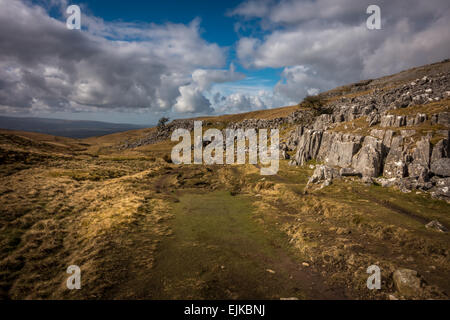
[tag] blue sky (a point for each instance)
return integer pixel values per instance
(217, 26)
(135, 61)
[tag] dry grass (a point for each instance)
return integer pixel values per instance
(110, 212)
(429, 109)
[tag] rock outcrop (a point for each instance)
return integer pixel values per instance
(394, 152)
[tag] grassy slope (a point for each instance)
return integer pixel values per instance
(115, 213)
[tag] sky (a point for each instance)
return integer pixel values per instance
(136, 61)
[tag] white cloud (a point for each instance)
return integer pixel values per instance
(299, 81)
(324, 43)
(191, 100)
(205, 78)
(109, 66)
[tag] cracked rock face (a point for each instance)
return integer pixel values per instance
(396, 149)
(369, 159)
(441, 167)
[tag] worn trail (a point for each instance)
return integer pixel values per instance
(219, 251)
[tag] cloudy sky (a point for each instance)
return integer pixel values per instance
(135, 61)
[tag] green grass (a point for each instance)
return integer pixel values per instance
(219, 251)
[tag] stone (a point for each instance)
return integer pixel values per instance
(408, 283)
(422, 152)
(418, 170)
(436, 225)
(386, 183)
(395, 162)
(323, 121)
(348, 172)
(308, 146)
(441, 167)
(407, 133)
(326, 183)
(367, 180)
(323, 172)
(444, 119)
(441, 150)
(369, 159)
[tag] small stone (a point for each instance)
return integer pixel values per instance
(407, 282)
(392, 297)
(340, 231)
(305, 264)
(270, 271)
(436, 225)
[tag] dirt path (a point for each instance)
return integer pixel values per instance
(219, 251)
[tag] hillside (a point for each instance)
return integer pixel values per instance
(364, 180)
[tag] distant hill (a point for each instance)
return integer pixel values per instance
(65, 128)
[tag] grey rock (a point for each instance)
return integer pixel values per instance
(444, 119)
(368, 160)
(408, 283)
(436, 225)
(422, 152)
(348, 172)
(386, 183)
(367, 180)
(441, 167)
(395, 163)
(393, 121)
(407, 133)
(441, 150)
(323, 172)
(308, 146)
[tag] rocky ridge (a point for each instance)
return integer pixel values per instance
(410, 151)
(395, 133)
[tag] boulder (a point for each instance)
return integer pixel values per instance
(408, 283)
(348, 172)
(418, 170)
(422, 152)
(441, 167)
(368, 161)
(323, 122)
(441, 150)
(436, 225)
(419, 167)
(416, 120)
(444, 119)
(395, 162)
(341, 153)
(308, 146)
(323, 172)
(387, 120)
(392, 121)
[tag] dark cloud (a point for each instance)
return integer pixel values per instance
(44, 66)
(326, 42)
